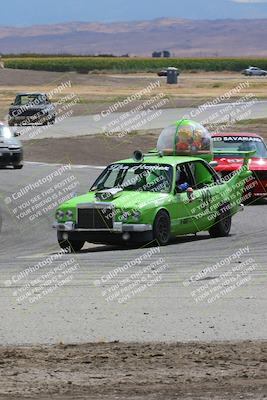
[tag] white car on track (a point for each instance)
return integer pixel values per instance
(254, 71)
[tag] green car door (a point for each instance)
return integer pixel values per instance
(182, 204)
(197, 196)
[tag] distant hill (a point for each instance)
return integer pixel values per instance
(181, 37)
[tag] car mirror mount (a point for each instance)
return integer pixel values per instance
(190, 194)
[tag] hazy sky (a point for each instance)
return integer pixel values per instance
(28, 12)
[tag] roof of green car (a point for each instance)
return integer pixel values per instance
(156, 159)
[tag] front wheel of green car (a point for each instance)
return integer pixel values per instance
(162, 228)
(71, 246)
(222, 225)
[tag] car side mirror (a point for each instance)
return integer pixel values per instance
(16, 134)
(190, 194)
(213, 164)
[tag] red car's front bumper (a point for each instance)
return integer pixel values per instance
(258, 185)
(260, 189)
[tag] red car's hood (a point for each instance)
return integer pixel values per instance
(231, 163)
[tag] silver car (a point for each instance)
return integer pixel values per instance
(11, 151)
(254, 71)
(30, 109)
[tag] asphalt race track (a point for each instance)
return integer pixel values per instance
(78, 311)
(95, 124)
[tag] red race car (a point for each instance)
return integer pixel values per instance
(228, 148)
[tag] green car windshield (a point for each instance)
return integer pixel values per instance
(239, 143)
(136, 177)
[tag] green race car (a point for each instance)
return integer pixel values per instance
(153, 198)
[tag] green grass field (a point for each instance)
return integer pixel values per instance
(120, 64)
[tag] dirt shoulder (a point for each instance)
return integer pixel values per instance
(91, 150)
(135, 371)
(101, 150)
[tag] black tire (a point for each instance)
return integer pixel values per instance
(20, 166)
(223, 222)
(162, 228)
(71, 246)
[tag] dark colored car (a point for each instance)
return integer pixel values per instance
(163, 72)
(31, 108)
(228, 148)
(11, 152)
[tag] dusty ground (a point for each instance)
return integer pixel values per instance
(97, 91)
(135, 371)
(101, 150)
(91, 150)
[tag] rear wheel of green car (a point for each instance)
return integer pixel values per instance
(71, 246)
(162, 228)
(222, 225)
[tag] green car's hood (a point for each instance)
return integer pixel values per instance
(123, 199)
